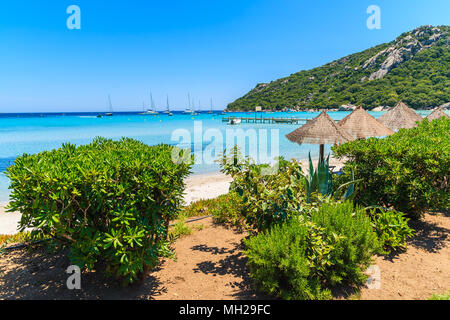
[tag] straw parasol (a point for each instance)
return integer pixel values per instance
(401, 116)
(360, 125)
(437, 113)
(321, 130)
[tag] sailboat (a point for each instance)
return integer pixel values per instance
(110, 113)
(189, 110)
(211, 110)
(168, 108)
(150, 111)
(167, 111)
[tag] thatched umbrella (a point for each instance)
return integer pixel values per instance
(437, 114)
(321, 130)
(360, 125)
(401, 116)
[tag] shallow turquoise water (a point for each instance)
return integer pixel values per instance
(31, 134)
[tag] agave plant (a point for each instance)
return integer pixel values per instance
(321, 180)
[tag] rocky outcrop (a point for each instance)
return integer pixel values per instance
(348, 107)
(445, 106)
(403, 49)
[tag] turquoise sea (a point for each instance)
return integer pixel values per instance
(33, 133)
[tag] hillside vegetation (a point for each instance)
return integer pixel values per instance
(413, 68)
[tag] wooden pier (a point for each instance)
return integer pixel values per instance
(266, 120)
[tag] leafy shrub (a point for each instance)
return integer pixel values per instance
(227, 210)
(356, 241)
(179, 230)
(199, 208)
(287, 260)
(109, 201)
(392, 229)
(270, 194)
(408, 171)
(306, 256)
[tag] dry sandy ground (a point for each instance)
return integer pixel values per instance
(210, 265)
(424, 269)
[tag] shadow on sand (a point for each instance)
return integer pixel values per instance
(36, 274)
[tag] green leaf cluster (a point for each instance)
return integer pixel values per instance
(269, 194)
(304, 258)
(408, 171)
(110, 201)
(392, 229)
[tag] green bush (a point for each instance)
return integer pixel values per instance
(392, 229)
(109, 201)
(227, 210)
(270, 194)
(305, 257)
(356, 241)
(408, 171)
(287, 260)
(199, 208)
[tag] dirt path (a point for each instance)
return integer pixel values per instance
(210, 265)
(421, 271)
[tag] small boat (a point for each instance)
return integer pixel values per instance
(149, 112)
(99, 116)
(188, 111)
(234, 121)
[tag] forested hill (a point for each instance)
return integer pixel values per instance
(413, 68)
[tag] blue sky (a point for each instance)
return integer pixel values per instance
(218, 49)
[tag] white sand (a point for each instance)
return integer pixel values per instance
(8, 221)
(206, 186)
(202, 186)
